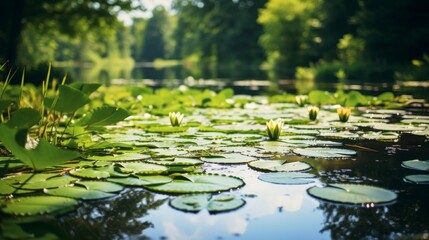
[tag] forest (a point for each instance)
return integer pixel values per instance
(316, 39)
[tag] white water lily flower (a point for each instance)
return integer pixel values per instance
(312, 112)
(301, 100)
(274, 129)
(176, 118)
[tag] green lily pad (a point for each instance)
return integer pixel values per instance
(340, 135)
(213, 204)
(39, 205)
(6, 189)
(128, 181)
(279, 166)
(177, 162)
(89, 173)
(120, 157)
(416, 165)
(78, 193)
(39, 181)
(291, 178)
(397, 127)
(353, 193)
(198, 183)
(101, 186)
(418, 178)
(325, 152)
(160, 152)
(228, 158)
(381, 136)
(142, 168)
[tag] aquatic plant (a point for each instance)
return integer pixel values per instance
(274, 129)
(176, 118)
(343, 114)
(312, 113)
(301, 100)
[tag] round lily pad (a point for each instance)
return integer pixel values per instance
(89, 173)
(198, 183)
(213, 204)
(279, 166)
(353, 194)
(291, 178)
(418, 178)
(120, 157)
(39, 205)
(416, 165)
(397, 127)
(177, 162)
(78, 193)
(142, 168)
(228, 158)
(325, 152)
(101, 186)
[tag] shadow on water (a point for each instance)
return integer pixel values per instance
(116, 218)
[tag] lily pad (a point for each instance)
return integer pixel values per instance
(279, 166)
(198, 183)
(177, 162)
(213, 204)
(39, 205)
(89, 173)
(228, 158)
(325, 152)
(78, 193)
(418, 178)
(120, 157)
(101, 186)
(353, 194)
(397, 127)
(291, 178)
(142, 168)
(416, 165)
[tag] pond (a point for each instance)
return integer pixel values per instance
(227, 135)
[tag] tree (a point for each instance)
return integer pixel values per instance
(55, 15)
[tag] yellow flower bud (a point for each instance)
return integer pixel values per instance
(274, 129)
(343, 114)
(312, 113)
(176, 118)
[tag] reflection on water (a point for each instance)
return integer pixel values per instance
(247, 81)
(116, 218)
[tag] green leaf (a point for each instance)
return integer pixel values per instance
(213, 204)
(101, 186)
(416, 164)
(24, 118)
(229, 158)
(89, 173)
(78, 193)
(39, 205)
(279, 166)
(418, 178)
(177, 162)
(353, 194)
(103, 116)
(355, 98)
(291, 178)
(86, 88)
(198, 183)
(69, 100)
(142, 168)
(129, 156)
(325, 152)
(4, 104)
(43, 156)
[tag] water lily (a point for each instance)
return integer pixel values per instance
(274, 128)
(343, 114)
(176, 118)
(301, 100)
(312, 112)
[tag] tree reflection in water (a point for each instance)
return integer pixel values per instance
(402, 220)
(116, 218)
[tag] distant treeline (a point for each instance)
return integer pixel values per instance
(315, 39)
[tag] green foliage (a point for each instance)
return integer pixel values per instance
(103, 116)
(43, 156)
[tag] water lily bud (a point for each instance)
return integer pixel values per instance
(343, 114)
(274, 129)
(176, 118)
(301, 100)
(312, 113)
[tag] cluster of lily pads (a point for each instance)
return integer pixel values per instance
(166, 140)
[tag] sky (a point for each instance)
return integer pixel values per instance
(149, 5)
